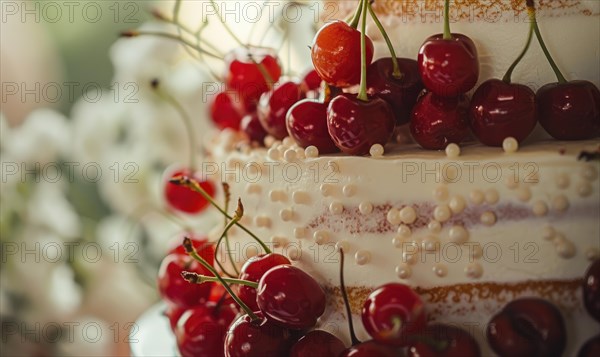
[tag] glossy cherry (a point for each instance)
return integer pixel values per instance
(499, 110)
(440, 340)
(307, 124)
(356, 125)
(174, 288)
(290, 297)
(226, 110)
(591, 290)
(259, 338)
(245, 77)
(371, 349)
(317, 343)
(437, 121)
(527, 327)
(591, 348)
(392, 313)
(310, 82)
(184, 199)
(201, 330)
(449, 67)
(173, 313)
(400, 93)
(253, 128)
(336, 56)
(205, 248)
(273, 107)
(254, 269)
(570, 111)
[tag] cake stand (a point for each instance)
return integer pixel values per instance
(153, 335)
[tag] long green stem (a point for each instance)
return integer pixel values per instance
(353, 338)
(226, 229)
(189, 248)
(396, 68)
(357, 14)
(196, 278)
(362, 93)
(224, 236)
(192, 184)
(508, 75)
(172, 37)
(447, 33)
(532, 18)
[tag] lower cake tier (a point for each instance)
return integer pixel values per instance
(469, 233)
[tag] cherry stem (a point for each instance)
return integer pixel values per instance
(356, 18)
(227, 200)
(355, 341)
(238, 215)
(195, 278)
(187, 121)
(508, 75)
(362, 93)
(447, 33)
(134, 33)
(532, 18)
(193, 185)
(191, 251)
(396, 68)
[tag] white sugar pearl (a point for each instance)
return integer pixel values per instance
(326, 189)
(510, 145)
(343, 245)
(277, 195)
(294, 253)
(476, 197)
(300, 153)
(365, 207)
(349, 190)
(565, 249)
(397, 241)
(548, 233)
(491, 196)
(440, 270)
(589, 173)
(442, 213)
(584, 189)
(299, 232)
(524, 194)
(440, 193)
(269, 141)
(286, 214)
(362, 257)
(321, 237)
(560, 203)
(404, 231)
(301, 197)
(376, 150)
(474, 270)
(452, 151)
(393, 216)
(539, 208)
(290, 155)
(273, 154)
(562, 181)
(403, 271)
(430, 244)
(288, 141)
(336, 207)
(311, 152)
(409, 258)
(408, 215)
(434, 226)
(457, 204)
(278, 241)
(458, 234)
(488, 218)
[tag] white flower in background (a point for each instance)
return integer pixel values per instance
(89, 336)
(48, 208)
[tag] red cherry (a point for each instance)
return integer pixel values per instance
(261, 338)
(591, 290)
(371, 349)
(591, 348)
(448, 67)
(274, 105)
(290, 298)
(254, 269)
(400, 93)
(205, 248)
(440, 340)
(570, 111)
(356, 125)
(253, 128)
(310, 82)
(174, 288)
(226, 110)
(393, 312)
(437, 121)
(499, 110)
(173, 313)
(201, 330)
(245, 77)
(317, 343)
(527, 327)
(336, 55)
(307, 124)
(182, 198)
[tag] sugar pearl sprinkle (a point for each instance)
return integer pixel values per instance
(404, 231)
(476, 197)
(321, 237)
(510, 145)
(286, 214)
(349, 190)
(336, 207)
(409, 257)
(376, 150)
(491, 196)
(311, 152)
(452, 151)
(277, 195)
(440, 193)
(393, 216)
(540, 208)
(344, 245)
(584, 189)
(273, 154)
(290, 155)
(565, 248)
(560, 203)
(362, 257)
(326, 189)
(300, 153)
(589, 173)
(301, 197)
(365, 207)
(548, 233)
(278, 241)
(562, 181)
(434, 226)
(403, 271)
(294, 253)
(442, 213)
(474, 270)
(488, 218)
(458, 234)
(524, 194)
(457, 204)
(299, 232)
(440, 270)
(430, 244)
(397, 241)
(408, 215)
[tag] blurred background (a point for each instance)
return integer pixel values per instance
(84, 144)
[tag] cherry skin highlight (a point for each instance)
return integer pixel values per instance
(261, 338)
(356, 125)
(254, 269)
(317, 343)
(289, 297)
(449, 67)
(440, 340)
(273, 107)
(527, 327)
(570, 111)
(591, 290)
(437, 121)
(499, 110)
(307, 124)
(184, 199)
(392, 313)
(174, 288)
(336, 54)
(400, 93)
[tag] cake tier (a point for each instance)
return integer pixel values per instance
(469, 233)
